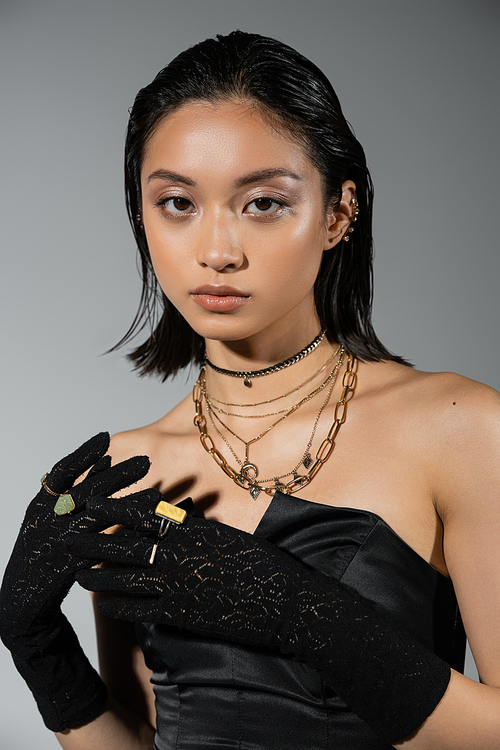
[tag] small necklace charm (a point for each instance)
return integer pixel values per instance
(247, 375)
(249, 472)
(246, 477)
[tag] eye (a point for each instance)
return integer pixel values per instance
(176, 204)
(265, 206)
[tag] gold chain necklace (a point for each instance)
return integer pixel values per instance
(246, 478)
(304, 459)
(289, 409)
(276, 398)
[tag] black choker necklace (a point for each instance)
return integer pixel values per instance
(268, 370)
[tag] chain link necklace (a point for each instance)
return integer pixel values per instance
(246, 478)
(304, 459)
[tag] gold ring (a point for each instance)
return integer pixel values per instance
(46, 486)
(169, 514)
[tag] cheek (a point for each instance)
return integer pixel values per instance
(288, 255)
(166, 251)
(294, 255)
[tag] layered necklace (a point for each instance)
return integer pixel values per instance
(247, 475)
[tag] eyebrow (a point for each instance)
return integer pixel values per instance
(261, 176)
(164, 174)
(265, 174)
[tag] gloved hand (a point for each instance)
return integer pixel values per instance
(215, 580)
(40, 573)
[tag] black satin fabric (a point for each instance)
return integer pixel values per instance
(211, 694)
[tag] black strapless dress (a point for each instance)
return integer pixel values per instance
(212, 695)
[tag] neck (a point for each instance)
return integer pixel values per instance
(268, 385)
(262, 350)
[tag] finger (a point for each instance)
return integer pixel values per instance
(130, 609)
(85, 523)
(125, 547)
(188, 505)
(114, 478)
(101, 465)
(135, 510)
(134, 582)
(64, 473)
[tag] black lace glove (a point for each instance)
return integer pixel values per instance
(40, 572)
(213, 579)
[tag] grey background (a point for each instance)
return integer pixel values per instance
(418, 80)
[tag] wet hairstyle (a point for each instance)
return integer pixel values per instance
(292, 94)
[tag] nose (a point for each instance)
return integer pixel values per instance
(218, 245)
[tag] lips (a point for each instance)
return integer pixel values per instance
(219, 298)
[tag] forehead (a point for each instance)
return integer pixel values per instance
(223, 138)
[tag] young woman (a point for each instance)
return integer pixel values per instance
(344, 506)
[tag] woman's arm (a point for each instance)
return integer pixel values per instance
(122, 665)
(466, 478)
(71, 697)
(117, 728)
(468, 716)
(128, 723)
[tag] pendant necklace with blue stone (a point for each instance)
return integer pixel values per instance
(248, 375)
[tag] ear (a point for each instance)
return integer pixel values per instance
(339, 221)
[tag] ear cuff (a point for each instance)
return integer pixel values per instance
(353, 219)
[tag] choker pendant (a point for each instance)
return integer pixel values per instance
(248, 375)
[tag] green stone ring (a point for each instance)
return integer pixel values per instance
(65, 503)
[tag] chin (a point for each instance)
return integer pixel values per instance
(218, 332)
(222, 326)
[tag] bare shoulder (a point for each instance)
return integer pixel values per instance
(455, 402)
(446, 398)
(146, 438)
(444, 424)
(134, 442)
(459, 427)
(162, 439)
(444, 417)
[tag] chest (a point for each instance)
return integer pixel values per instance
(375, 466)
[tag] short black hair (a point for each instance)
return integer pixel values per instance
(296, 96)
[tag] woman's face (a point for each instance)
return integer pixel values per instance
(234, 217)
